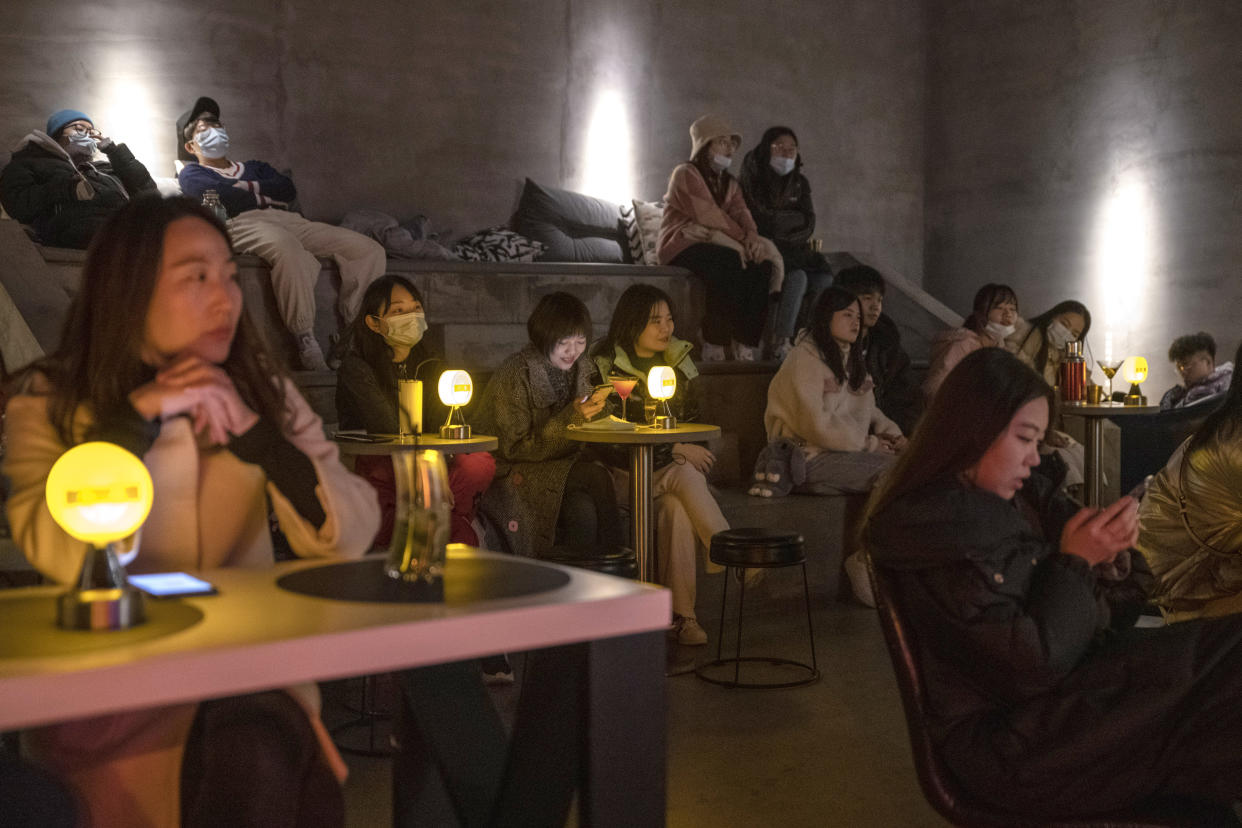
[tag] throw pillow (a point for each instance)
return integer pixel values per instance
(497, 244)
(572, 226)
(633, 239)
(648, 215)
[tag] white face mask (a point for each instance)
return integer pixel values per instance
(998, 331)
(213, 142)
(1059, 336)
(405, 330)
(782, 166)
(720, 163)
(82, 146)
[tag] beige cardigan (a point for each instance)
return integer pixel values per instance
(209, 511)
(807, 404)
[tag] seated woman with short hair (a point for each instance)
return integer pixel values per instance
(159, 358)
(546, 493)
(1043, 699)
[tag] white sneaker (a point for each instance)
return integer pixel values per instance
(689, 632)
(713, 353)
(310, 355)
(860, 581)
(743, 353)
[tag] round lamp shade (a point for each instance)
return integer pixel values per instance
(661, 382)
(99, 492)
(455, 388)
(1134, 369)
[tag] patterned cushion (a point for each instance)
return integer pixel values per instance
(497, 244)
(647, 217)
(633, 239)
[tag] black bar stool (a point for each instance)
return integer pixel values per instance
(619, 561)
(742, 550)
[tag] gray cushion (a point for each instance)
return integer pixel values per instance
(573, 227)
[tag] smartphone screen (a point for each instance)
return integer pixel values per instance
(171, 584)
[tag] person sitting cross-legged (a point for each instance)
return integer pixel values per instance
(1194, 355)
(257, 199)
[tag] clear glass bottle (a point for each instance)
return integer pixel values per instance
(211, 200)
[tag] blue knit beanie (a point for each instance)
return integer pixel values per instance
(66, 116)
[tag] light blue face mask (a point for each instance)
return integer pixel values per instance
(213, 142)
(780, 165)
(83, 146)
(720, 163)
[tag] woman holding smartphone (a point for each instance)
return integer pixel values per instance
(1044, 698)
(159, 358)
(546, 493)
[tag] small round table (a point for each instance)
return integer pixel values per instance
(1095, 415)
(642, 441)
(394, 444)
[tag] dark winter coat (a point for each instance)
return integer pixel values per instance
(65, 205)
(367, 399)
(521, 408)
(783, 212)
(896, 392)
(1037, 703)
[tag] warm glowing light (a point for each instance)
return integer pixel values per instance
(455, 388)
(127, 108)
(1124, 260)
(99, 492)
(1134, 370)
(608, 164)
(661, 382)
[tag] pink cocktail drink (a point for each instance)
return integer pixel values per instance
(624, 386)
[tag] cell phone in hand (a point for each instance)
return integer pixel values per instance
(1141, 489)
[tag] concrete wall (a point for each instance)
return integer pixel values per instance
(1090, 149)
(443, 108)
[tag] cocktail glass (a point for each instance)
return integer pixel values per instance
(1109, 371)
(623, 386)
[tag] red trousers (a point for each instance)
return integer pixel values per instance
(469, 477)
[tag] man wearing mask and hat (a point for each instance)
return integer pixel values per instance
(257, 199)
(53, 184)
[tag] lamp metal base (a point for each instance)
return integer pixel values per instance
(455, 432)
(665, 421)
(115, 608)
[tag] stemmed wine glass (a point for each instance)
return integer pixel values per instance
(1109, 371)
(623, 386)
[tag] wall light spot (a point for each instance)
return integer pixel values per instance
(1124, 251)
(608, 165)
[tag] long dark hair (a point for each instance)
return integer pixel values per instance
(971, 408)
(630, 317)
(366, 343)
(98, 362)
(987, 297)
(830, 301)
(1222, 423)
(762, 153)
(1040, 323)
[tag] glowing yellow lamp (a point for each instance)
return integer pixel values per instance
(1134, 371)
(661, 386)
(455, 389)
(100, 493)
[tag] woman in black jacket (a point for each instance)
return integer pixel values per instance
(384, 343)
(1043, 697)
(779, 198)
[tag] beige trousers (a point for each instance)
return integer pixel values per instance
(686, 517)
(289, 242)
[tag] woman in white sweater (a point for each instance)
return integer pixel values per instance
(821, 416)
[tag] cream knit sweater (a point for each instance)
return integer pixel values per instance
(807, 404)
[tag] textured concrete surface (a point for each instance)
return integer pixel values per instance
(1090, 149)
(443, 108)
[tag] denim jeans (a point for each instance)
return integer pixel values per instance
(799, 285)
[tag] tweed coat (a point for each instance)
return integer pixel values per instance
(535, 454)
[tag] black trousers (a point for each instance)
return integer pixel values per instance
(737, 296)
(589, 517)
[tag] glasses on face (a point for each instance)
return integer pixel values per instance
(789, 150)
(1186, 364)
(81, 129)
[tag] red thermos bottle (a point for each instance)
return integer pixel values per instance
(1073, 377)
